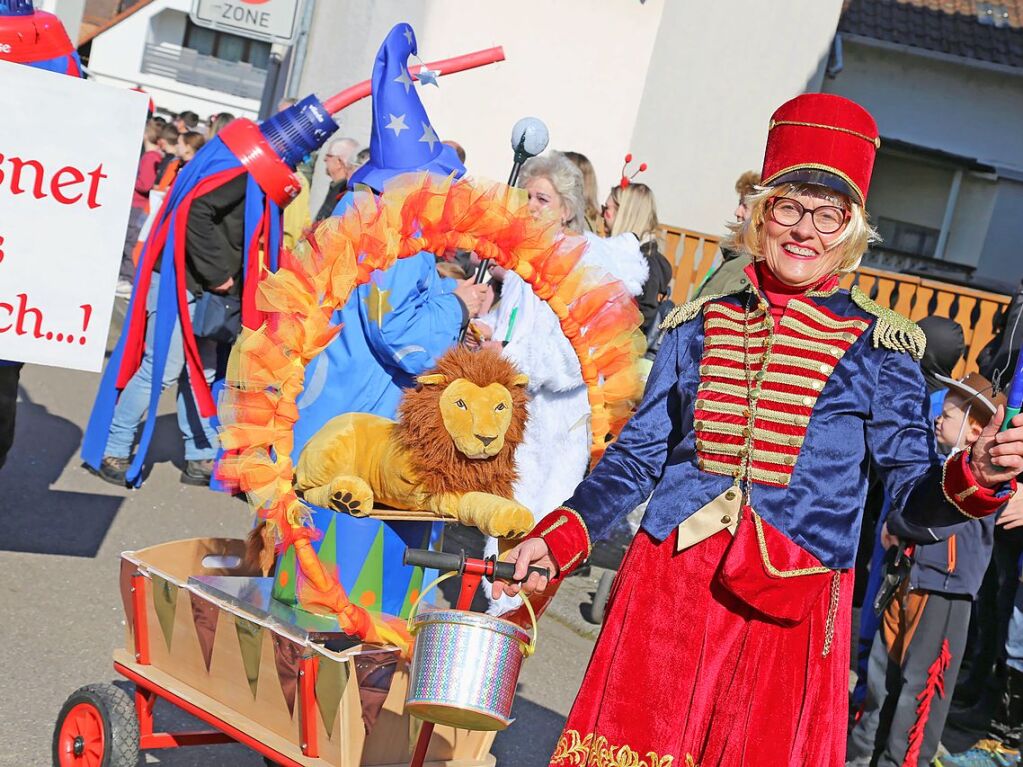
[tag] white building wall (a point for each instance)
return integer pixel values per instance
(116, 58)
(660, 79)
(578, 65)
(718, 72)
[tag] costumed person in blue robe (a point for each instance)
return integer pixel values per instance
(218, 228)
(398, 324)
(36, 39)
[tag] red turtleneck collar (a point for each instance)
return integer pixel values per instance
(777, 293)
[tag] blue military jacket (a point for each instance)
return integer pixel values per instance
(840, 384)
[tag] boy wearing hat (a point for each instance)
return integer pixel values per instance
(917, 654)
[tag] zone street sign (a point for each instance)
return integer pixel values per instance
(275, 21)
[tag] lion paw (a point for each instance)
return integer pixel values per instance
(494, 515)
(351, 495)
(346, 495)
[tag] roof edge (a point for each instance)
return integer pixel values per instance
(926, 53)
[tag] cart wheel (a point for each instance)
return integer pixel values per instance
(600, 598)
(97, 727)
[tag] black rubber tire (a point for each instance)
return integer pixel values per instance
(120, 725)
(600, 598)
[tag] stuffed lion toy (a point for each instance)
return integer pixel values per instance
(451, 451)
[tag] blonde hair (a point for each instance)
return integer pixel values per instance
(592, 211)
(567, 181)
(858, 235)
(747, 183)
(637, 212)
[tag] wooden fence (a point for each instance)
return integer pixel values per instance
(692, 254)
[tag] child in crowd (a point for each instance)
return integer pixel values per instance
(918, 651)
(188, 144)
(145, 178)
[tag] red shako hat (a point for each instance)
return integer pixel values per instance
(821, 138)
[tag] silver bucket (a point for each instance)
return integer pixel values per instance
(465, 667)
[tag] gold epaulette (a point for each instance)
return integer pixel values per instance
(892, 330)
(687, 311)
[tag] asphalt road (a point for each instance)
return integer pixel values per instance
(61, 533)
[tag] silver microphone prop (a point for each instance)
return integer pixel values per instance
(529, 138)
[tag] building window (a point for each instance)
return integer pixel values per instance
(904, 237)
(225, 46)
(993, 14)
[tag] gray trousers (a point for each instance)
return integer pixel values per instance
(881, 737)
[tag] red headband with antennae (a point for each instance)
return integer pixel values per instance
(627, 179)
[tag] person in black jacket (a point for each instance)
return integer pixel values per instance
(632, 209)
(213, 263)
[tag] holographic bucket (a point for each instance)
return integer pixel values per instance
(465, 667)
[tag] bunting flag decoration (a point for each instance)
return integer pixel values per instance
(165, 601)
(284, 578)
(287, 657)
(204, 618)
(331, 680)
(415, 212)
(370, 585)
(374, 673)
(250, 642)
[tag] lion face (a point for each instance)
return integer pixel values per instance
(476, 417)
(485, 429)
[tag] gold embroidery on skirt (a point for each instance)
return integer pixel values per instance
(574, 750)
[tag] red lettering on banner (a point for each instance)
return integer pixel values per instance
(95, 175)
(18, 164)
(57, 186)
(23, 175)
(23, 312)
(26, 320)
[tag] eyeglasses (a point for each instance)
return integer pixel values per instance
(827, 219)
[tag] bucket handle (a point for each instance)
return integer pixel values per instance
(414, 612)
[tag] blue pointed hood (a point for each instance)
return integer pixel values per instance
(403, 139)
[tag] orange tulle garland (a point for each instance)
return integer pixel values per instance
(416, 212)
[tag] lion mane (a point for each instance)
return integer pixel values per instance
(430, 449)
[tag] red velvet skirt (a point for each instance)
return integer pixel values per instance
(685, 674)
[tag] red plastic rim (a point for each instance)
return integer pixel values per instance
(81, 737)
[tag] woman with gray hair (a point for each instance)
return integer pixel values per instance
(529, 334)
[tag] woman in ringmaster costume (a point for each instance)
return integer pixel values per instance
(726, 642)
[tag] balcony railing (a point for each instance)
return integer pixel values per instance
(692, 254)
(192, 68)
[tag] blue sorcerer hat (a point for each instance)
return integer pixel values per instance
(403, 139)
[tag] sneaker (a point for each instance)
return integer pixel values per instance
(984, 753)
(112, 470)
(198, 473)
(123, 289)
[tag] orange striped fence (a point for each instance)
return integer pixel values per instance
(692, 254)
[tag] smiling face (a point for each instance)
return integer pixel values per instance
(545, 200)
(799, 254)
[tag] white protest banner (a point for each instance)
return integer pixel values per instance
(69, 152)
